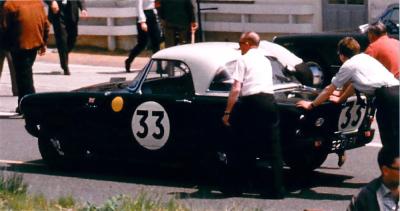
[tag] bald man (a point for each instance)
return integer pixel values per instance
(252, 113)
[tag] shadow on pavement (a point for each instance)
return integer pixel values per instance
(297, 186)
(49, 73)
(120, 72)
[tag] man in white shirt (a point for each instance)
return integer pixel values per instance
(148, 30)
(369, 76)
(255, 116)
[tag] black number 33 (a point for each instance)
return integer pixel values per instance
(158, 124)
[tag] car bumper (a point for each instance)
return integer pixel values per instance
(344, 141)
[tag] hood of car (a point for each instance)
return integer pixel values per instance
(104, 87)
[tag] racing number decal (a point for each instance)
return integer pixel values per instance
(352, 115)
(150, 125)
(142, 123)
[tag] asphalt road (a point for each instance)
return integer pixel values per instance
(328, 188)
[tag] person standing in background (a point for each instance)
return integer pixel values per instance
(147, 27)
(383, 48)
(64, 15)
(26, 30)
(6, 55)
(178, 19)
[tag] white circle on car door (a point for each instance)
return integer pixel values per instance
(150, 125)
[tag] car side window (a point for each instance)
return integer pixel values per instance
(222, 81)
(168, 77)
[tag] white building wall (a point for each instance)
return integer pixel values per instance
(267, 17)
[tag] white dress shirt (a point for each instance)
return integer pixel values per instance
(254, 71)
(365, 73)
(144, 5)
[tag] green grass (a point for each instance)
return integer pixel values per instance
(14, 196)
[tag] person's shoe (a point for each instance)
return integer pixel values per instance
(18, 111)
(66, 72)
(341, 159)
(127, 66)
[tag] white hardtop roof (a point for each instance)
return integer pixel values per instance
(203, 59)
(206, 58)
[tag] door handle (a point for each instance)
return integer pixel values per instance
(184, 101)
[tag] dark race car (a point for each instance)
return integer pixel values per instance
(171, 112)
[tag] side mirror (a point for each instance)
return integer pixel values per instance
(309, 74)
(318, 75)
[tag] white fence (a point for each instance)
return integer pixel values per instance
(110, 30)
(278, 18)
(263, 18)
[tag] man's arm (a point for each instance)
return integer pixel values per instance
(53, 5)
(82, 6)
(322, 97)
(233, 96)
(190, 9)
(348, 90)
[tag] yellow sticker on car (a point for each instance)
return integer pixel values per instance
(117, 104)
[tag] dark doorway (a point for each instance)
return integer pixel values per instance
(344, 15)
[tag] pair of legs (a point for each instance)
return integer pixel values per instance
(255, 122)
(6, 55)
(152, 34)
(387, 115)
(23, 61)
(175, 35)
(65, 33)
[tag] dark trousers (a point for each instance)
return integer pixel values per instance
(23, 61)
(175, 35)
(153, 33)
(6, 55)
(65, 33)
(387, 115)
(255, 121)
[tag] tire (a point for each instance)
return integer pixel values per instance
(51, 151)
(306, 162)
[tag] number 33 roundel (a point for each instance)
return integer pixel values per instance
(150, 125)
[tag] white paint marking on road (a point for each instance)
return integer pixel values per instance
(374, 144)
(20, 162)
(6, 114)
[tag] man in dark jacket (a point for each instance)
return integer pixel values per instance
(64, 15)
(381, 193)
(178, 19)
(26, 29)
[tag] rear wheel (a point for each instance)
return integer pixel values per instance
(306, 161)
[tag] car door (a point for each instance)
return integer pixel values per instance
(162, 120)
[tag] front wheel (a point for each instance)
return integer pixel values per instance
(52, 152)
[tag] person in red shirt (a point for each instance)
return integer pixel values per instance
(383, 48)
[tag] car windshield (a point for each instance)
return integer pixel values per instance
(392, 15)
(222, 80)
(160, 69)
